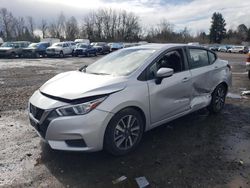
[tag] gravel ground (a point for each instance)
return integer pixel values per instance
(198, 150)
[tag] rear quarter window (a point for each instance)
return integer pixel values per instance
(212, 57)
(198, 58)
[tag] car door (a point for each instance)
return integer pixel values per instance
(202, 70)
(67, 48)
(172, 96)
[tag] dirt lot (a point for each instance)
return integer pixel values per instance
(198, 150)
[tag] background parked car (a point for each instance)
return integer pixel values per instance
(223, 49)
(13, 49)
(36, 49)
(238, 49)
(101, 47)
(214, 47)
(72, 45)
(50, 40)
(85, 49)
(116, 46)
(86, 41)
(59, 49)
(248, 64)
(1, 41)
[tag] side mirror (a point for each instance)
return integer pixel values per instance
(163, 73)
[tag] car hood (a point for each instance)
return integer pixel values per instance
(6, 48)
(75, 85)
(54, 47)
(81, 48)
(30, 48)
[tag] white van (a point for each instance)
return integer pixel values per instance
(86, 41)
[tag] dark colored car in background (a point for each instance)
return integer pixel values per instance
(36, 49)
(101, 47)
(85, 49)
(115, 46)
(13, 49)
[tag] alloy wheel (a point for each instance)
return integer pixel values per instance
(126, 132)
(220, 98)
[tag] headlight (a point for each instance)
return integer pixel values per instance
(79, 109)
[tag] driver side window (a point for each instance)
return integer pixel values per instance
(172, 59)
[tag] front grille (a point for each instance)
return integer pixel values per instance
(51, 50)
(79, 51)
(43, 124)
(36, 112)
(27, 51)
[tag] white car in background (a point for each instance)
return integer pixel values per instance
(59, 49)
(238, 49)
(86, 41)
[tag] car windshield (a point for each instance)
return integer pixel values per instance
(120, 63)
(33, 45)
(7, 44)
(58, 44)
(82, 45)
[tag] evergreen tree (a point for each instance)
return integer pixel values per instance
(217, 30)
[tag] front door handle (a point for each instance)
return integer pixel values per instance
(185, 79)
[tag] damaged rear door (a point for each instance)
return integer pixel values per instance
(202, 72)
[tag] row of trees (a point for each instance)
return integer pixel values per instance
(113, 25)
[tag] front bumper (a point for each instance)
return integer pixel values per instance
(60, 132)
(81, 52)
(53, 53)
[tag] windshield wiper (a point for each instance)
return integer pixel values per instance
(98, 73)
(83, 69)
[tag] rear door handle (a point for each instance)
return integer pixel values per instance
(185, 79)
(216, 67)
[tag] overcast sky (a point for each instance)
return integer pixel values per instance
(194, 14)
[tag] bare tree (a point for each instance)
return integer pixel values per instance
(44, 27)
(7, 21)
(30, 25)
(52, 30)
(72, 30)
(107, 24)
(19, 28)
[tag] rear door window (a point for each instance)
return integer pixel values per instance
(198, 58)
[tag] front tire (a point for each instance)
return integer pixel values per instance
(124, 132)
(218, 99)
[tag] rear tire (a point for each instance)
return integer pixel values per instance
(218, 99)
(13, 55)
(124, 132)
(61, 54)
(37, 55)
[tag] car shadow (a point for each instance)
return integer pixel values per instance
(186, 152)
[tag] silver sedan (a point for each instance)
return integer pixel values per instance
(112, 102)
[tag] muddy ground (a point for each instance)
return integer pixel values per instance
(198, 150)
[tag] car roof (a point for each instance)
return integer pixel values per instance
(158, 46)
